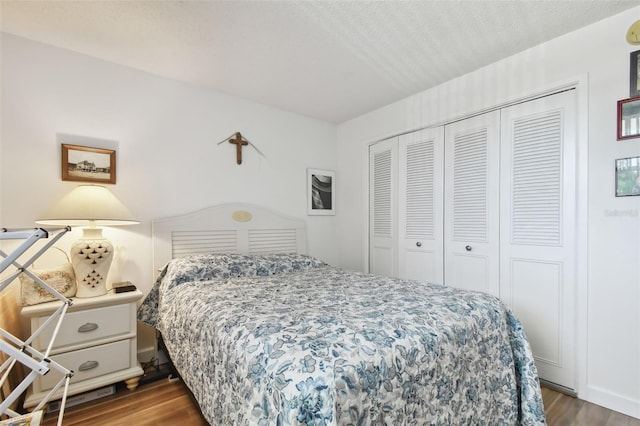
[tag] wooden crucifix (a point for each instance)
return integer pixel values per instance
(239, 142)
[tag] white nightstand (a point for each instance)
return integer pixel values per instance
(97, 340)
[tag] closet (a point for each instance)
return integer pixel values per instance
(488, 203)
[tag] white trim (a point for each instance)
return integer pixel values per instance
(365, 204)
(560, 87)
(614, 401)
(582, 239)
(366, 173)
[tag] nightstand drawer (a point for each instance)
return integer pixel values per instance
(91, 362)
(96, 340)
(87, 326)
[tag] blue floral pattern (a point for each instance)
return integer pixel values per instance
(288, 340)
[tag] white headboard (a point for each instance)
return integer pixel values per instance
(227, 228)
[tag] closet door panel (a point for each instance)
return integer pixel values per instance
(538, 213)
(420, 200)
(469, 270)
(471, 203)
(383, 205)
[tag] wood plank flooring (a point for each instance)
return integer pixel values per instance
(169, 403)
(157, 403)
(563, 410)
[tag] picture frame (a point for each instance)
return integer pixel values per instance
(629, 118)
(634, 74)
(628, 177)
(321, 192)
(87, 164)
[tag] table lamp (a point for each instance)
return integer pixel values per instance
(91, 255)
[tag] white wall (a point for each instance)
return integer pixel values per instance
(610, 288)
(165, 134)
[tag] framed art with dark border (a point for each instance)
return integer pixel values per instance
(634, 74)
(629, 118)
(85, 164)
(321, 192)
(627, 176)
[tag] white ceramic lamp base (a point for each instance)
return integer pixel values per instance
(91, 258)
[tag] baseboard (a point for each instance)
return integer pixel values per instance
(161, 372)
(149, 353)
(146, 354)
(613, 401)
(82, 398)
(162, 357)
(558, 388)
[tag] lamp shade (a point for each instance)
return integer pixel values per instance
(86, 205)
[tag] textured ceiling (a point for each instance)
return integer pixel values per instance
(329, 60)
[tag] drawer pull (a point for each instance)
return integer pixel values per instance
(88, 365)
(90, 326)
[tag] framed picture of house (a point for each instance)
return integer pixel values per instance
(85, 164)
(634, 74)
(321, 192)
(627, 176)
(629, 118)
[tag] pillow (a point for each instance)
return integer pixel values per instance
(280, 263)
(204, 267)
(211, 266)
(60, 278)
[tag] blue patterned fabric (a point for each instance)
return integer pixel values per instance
(211, 266)
(288, 340)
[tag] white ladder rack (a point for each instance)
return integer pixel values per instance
(38, 363)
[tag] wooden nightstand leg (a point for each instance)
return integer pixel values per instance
(132, 383)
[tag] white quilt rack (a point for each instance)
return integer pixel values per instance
(38, 363)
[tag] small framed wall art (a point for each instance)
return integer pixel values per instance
(627, 176)
(634, 74)
(321, 192)
(629, 118)
(85, 164)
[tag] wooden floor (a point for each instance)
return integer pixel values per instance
(169, 403)
(562, 410)
(157, 403)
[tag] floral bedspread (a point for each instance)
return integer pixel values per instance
(289, 340)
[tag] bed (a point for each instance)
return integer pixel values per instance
(263, 334)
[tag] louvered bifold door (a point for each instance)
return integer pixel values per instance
(420, 201)
(471, 199)
(383, 218)
(537, 228)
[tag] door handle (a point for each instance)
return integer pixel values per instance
(467, 248)
(418, 244)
